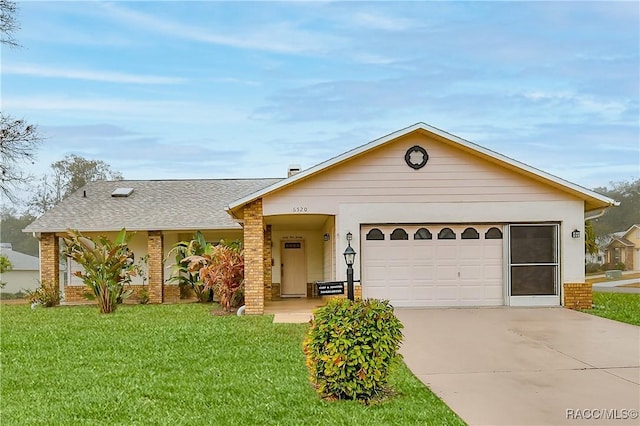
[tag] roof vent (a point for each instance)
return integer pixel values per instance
(122, 192)
(294, 169)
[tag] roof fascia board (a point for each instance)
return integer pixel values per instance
(469, 146)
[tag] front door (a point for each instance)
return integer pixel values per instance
(294, 269)
(534, 270)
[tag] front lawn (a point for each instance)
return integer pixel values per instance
(175, 364)
(624, 307)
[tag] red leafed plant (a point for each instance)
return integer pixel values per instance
(222, 270)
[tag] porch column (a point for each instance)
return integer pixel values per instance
(254, 252)
(50, 261)
(267, 262)
(156, 269)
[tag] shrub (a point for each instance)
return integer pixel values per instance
(222, 271)
(44, 295)
(590, 268)
(350, 348)
(107, 266)
(611, 266)
(186, 278)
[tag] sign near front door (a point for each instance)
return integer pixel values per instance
(330, 288)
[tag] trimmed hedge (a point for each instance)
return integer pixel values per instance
(351, 347)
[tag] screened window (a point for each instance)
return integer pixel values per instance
(446, 234)
(422, 234)
(375, 234)
(493, 234)
(534, 260)
(399, 234)
(470, 234)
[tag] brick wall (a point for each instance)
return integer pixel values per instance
(254, 258)
(156, 269)
(50, 260)
(171, 294)
(268, 273)
(75, 293)
(578, 295)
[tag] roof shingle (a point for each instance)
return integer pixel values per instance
(153, 205)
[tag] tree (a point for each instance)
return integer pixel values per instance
(67, 176)
(8, 23)
(73, 172)
(107, 265)
(5, 266)
(18, 139)
(619, 218)
(11, 226)
(590, 244)
(18, 144)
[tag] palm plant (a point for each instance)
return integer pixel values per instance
(180, 272)
(107, 265)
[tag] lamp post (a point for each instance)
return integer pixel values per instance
(349, 258)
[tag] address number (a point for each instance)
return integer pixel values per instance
(300, 209)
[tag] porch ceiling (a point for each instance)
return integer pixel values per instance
(300, 222)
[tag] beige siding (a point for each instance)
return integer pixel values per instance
(329, 247)
(451, 175)
(17, 281)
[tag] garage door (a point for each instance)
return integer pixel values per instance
(433, 265)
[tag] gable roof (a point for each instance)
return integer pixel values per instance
(625, 233)
(593, 200)
(20, 261)
(153, 205)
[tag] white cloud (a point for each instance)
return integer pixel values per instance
(35, 70)
(279, 37)
(377, 21)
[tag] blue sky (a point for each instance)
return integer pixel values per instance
(163, 90)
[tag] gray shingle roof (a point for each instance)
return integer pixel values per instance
(153, 205)
(21, 261)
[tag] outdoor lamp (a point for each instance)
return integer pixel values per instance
(349, 255)
(349, 258)
(575, 234)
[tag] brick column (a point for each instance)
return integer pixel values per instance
(156, 268)
(578, 295)
(267, 263)
(254, 258)
(50, 260)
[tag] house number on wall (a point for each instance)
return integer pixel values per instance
(300, 209)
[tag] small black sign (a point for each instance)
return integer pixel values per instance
(330, 288)
(292, 245)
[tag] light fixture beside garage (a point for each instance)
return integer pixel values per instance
(575, 233)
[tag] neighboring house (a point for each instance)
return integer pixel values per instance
(25, 270)
(624, 247)
(436, 221)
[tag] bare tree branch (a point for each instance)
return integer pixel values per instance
(8, 23)
(18, 144)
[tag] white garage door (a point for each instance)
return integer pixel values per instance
(433, 265)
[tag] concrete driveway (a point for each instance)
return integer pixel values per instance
(526, 366)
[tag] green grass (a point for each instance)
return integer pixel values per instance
(176, 364)
(624, 307)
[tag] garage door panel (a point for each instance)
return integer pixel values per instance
(460, 272)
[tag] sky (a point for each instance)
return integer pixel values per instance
(197, 89)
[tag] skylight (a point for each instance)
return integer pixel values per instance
(122, 192)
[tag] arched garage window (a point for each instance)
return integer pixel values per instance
(399, 234)
(422, 234)
(446, 234)
(470, 234)
(493, 234)
(375, 234)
